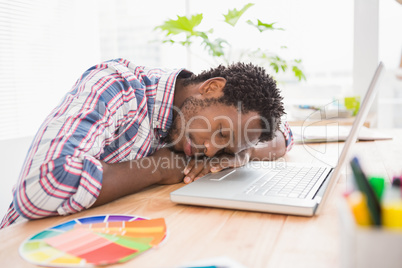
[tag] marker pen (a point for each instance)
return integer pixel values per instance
(392, 208)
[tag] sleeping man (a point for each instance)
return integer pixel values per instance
(122, 128)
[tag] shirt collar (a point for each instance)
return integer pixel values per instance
(163, 109)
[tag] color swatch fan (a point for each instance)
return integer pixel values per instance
(93, 241)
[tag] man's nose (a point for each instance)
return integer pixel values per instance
(210, 149)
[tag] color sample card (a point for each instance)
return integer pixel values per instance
(93, 241)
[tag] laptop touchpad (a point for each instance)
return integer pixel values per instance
(222, 175)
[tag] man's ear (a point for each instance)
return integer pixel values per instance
(213, 87)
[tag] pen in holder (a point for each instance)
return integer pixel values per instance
(371, 223)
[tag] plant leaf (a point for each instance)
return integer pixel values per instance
(168, 41)
(215, 48)
(275, 66)
(261, 26)
(234, 15)
(182, 24)
(298, 73)
(185, 43)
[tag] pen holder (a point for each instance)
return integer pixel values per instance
(365, 247)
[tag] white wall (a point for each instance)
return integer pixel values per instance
(45, 46)
(11, 159)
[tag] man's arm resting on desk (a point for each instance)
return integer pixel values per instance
(67, 185)
(270, 150)
(121, 179)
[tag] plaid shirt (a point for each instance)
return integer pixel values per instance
(115, 112)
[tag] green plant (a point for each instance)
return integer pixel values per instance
(219, 48)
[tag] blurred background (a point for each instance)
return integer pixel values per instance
(45, 45)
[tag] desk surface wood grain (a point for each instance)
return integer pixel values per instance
(251, 238)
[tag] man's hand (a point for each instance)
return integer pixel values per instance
(197, 168)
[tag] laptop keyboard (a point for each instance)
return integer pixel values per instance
(295, 182)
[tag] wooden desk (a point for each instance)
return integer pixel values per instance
(252, 239)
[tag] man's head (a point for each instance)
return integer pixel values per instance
(234, 108)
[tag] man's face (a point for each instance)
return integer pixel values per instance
(206, 127)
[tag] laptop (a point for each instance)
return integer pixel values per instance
(275, 187)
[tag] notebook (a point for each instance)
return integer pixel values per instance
(285, 188)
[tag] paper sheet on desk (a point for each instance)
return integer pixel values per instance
(331, 133)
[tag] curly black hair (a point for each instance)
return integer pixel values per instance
(250, 86)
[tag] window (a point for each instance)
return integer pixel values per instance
(44, 47)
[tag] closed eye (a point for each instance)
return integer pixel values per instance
(220, 131)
